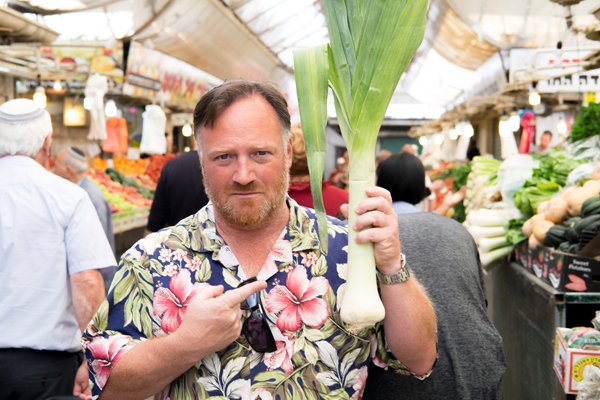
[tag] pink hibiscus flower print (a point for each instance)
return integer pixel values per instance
(172, 303)
(281, 252)
(359, 383)
(282, 357)
(106, 353)
(298, 302)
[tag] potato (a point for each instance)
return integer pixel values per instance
(577, 197)
(533, 242)
(527, 227)
(596, 173)
(542, 207)
(540, 229)
(537, 218)
(556, 210)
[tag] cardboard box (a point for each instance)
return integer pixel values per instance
(570, 363)
(564, 272)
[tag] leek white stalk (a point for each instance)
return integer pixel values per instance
(371, 44)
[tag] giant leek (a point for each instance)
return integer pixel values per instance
(372, 41)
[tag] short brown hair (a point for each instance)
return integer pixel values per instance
(299, 161)
(219, 99)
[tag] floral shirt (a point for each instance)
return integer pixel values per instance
(316, 357)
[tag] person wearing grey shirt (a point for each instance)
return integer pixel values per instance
(71, 164)
(471, 359)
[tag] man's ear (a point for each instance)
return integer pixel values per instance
(46, 146)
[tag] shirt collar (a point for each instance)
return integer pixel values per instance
(199, 233)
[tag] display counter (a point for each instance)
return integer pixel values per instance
(526, 311)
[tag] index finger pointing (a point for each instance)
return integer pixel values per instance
(234, 297)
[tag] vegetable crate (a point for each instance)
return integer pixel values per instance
(564, 272)
(570, 363)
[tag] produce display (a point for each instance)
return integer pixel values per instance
(488, 228)
(587, 124)
(120, 198)
(156, 164)
(482, 183)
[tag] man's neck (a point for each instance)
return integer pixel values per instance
(77, 178)
(275, 223)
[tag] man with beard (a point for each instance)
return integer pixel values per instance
(238, 301)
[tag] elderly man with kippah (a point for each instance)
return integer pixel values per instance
(52, 251)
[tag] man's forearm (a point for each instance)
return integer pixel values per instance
(87, 288)
(148, 368)
(409, 325)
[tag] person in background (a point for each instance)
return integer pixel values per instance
(382, 155)
(403, 175)
(179, 192)
(228, 297)
(71, 164)
(544, 146)
(427, 202)
(339, 176)
(53, 248)
(299, 189)
(472, 150)
(471, 359)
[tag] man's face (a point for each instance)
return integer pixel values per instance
(545, 140)
(60, 168)
(244, 163)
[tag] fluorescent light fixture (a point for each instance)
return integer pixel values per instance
(439, 139)
(186, 131)
(57, 86)
(423, 141)
(453, 134)
(514, 121)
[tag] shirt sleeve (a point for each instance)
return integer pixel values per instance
(160, 204)
(124, 319)
(382, 357)
(85, 241)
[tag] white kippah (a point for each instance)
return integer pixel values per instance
(19, 110)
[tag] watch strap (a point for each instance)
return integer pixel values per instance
(402, 275)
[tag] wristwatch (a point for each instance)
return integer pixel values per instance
(398, 277)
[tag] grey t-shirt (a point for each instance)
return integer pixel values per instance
(470, 365)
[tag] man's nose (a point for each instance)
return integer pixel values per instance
(245, 172)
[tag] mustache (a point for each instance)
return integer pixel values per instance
(235, 187)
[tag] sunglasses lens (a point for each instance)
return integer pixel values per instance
(259, 334)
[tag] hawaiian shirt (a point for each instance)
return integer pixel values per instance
(316, 358)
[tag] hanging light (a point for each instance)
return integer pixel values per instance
(468, 129)
(504, 125)
(534, 96)
(186, 149)
(453, 134)
(71, 115)
(110, 109)
(186, 130)
(86, 103)
(439, 139)
(459, 129)
(39, 97)
(562, 126)
(57, 86)
(423, 141)
(515, 120)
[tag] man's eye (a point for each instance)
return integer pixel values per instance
(262, 153)
(223, 157)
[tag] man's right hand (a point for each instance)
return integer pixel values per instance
(213, 319)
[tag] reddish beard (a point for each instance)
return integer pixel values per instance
(247, 213)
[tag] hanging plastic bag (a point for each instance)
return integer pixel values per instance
(509, 145)
(462, 147)
(513, 173)
(153, 131)
(95, 89)
(116, 136)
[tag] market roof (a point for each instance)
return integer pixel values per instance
(256, 38)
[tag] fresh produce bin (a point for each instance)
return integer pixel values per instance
(526, 311)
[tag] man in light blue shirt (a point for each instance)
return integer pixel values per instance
(52, 248)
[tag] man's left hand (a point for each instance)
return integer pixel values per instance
(82, 383)
(378, 216)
